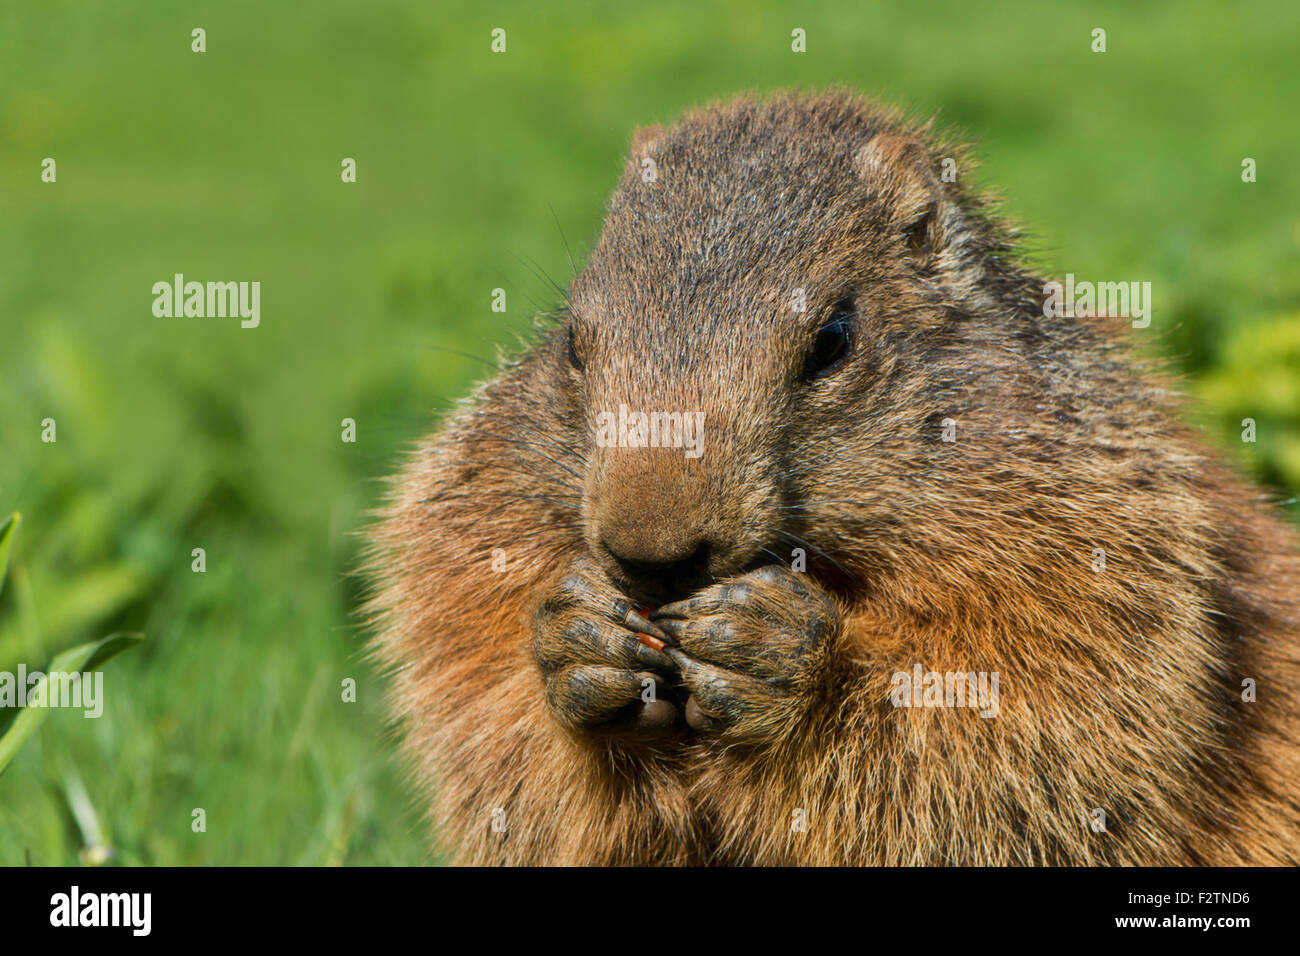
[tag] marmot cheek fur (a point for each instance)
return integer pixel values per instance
(795, 275)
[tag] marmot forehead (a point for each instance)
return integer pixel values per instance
(752, 156)
(735, 190)
(788, 131)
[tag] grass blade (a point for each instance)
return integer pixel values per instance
(8, 532)
(79, 658)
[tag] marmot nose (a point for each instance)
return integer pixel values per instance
(666, 575)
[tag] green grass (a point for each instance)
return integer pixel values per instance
(178, 434)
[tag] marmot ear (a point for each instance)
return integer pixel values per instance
(643, 157)
(899, 166)
(646, 142)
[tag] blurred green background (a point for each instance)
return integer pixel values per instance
(182, 433)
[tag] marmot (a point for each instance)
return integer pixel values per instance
(903, 466)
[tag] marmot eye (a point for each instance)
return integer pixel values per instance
(833, 342)
(574, 360)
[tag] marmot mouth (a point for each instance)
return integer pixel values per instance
(656, 592)
(652, 595)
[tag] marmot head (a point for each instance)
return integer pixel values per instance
(775, 314)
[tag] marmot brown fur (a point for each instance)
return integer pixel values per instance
(976, 487)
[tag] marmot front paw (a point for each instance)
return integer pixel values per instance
(753, 650)
(599, 675)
